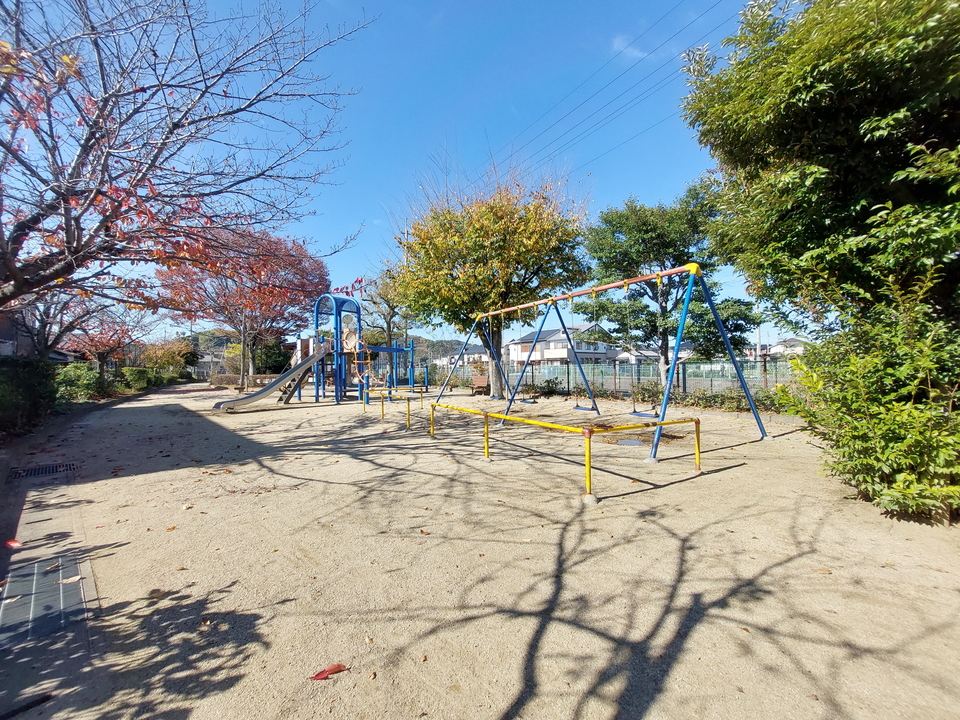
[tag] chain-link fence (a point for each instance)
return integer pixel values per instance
(621, 377)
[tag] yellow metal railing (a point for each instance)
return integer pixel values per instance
(390, 393)
(587, 433)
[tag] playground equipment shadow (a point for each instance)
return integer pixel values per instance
(237, 555)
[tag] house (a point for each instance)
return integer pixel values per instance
(553, 348)
(471, 354)
(787, 347)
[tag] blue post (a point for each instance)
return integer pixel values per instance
(733, 359)
(411, 368)
(496, 361)
(583, 375)
(523, 369)
(457, 361)
(673, 369)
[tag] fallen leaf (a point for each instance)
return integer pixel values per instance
(423, 532)
(368, 639)
(12, 599)
(13, 544)
(373, 676)
(423, 659)
(823, 571)
(181, 568)
(74, 579)
(329, 670)
(54, 566)
(172, 527)
(745, 629)
(228, 471)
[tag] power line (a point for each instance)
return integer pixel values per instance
(629, 139)
(586, 100)
(591, 76)
(618, 112)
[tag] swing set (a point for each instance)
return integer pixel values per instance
(695, 277)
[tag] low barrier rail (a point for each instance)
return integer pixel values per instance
(587, 432)
(391, 394)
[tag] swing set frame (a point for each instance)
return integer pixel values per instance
(695, 278)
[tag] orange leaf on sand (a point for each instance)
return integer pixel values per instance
(13, 544)
(330, 670)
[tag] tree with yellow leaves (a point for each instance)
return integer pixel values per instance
(505, 245)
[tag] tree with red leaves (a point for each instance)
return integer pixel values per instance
(131, 128)
(111, 331)
(262, 292)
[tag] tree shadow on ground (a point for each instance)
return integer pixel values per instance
(156, 657)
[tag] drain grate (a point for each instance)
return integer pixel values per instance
(40, 470)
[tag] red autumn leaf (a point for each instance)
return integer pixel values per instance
(330, 670)
(13, 544)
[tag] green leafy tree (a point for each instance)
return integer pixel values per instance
(506, 245)
(838, 132)
(637, 240)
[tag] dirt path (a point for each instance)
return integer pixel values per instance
(235, 555)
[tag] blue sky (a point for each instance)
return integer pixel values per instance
(588, 90)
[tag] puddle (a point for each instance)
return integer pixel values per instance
(631, 441)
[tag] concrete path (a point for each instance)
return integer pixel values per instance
(235, 556)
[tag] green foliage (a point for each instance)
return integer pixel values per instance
(27, 392)
(468, 256)
(550, 387)
(640, 240)
(137, 378)
(77, 382)
(272, 358)
(498, 248)
(883, 395)
(599, 393)
(729, 399)
(838, 131)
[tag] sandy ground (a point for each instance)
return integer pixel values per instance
(235, 555)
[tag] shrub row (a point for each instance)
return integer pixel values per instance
(79, 383)
(27, 392)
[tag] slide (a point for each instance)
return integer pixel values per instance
(292, 378)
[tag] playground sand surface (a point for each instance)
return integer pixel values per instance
(236, 555)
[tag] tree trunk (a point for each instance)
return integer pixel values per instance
(497, 388)
(102, 366)
(664, 358)
(243, 353)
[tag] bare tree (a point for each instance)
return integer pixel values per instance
(131, 126)
(383, 309)
(49, 320)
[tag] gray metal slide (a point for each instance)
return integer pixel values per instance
(287, 383)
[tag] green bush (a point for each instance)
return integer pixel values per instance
(137, 378)
(882, 394)
(169, 379)
(730, 399)
(77, 382)
(185, 375)
(27, 392)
